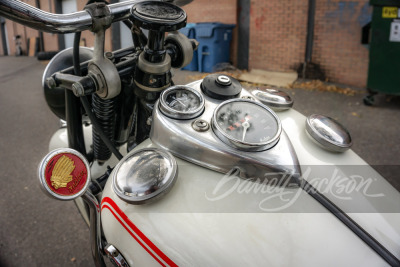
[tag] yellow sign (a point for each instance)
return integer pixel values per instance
(389, 12)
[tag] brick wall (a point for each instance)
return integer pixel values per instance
(223, 11)
(278, 30)
(50, 39)
(337, 47)
(277, 34)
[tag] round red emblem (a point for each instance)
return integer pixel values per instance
(64, 174)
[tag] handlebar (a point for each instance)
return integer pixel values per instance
(35, 18)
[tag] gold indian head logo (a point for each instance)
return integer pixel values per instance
(61, 175)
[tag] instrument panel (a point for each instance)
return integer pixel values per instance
(224, 135)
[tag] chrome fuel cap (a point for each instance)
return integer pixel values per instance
(144, 175)
(328, 133)
(276, 99)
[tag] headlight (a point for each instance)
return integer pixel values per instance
(144, 175)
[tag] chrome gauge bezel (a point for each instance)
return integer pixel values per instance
(238, 144)
(176, 114)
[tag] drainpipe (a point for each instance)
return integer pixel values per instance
(310, 35)
(3, 35)
(243, 25)
(115, 32)
(41, 39)
(60, 37)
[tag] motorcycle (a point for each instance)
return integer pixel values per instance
(207, 173)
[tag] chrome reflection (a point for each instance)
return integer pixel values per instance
(328, 133)
(144, 175)
(276, 99)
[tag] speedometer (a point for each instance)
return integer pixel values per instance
(246, 125)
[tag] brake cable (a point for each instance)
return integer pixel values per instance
(350, 223)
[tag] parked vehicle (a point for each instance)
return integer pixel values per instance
(203, 174)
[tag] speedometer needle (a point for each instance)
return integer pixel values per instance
(180, 101)
(245, 125)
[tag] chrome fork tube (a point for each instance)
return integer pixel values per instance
(95, 228)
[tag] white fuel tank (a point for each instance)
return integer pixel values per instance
(211, 219)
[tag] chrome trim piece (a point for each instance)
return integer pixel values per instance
(180, 115)
(42, 176)
(63, 124)
(328, 133)
(115, 256)
(207, 150)
(276, 99)
(238, 143)
(95, 228)
(145, 175)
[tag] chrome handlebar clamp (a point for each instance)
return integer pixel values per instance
(102, 70)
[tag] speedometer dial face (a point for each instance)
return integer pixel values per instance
(246, 125)
(181, 102)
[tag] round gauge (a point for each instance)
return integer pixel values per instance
(181, 102)
(246, 125)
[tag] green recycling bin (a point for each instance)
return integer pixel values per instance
(384, 54)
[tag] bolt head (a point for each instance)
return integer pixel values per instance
(108, 55)
(149, 121)
(78, 90)
(200, 125)
(51, 83)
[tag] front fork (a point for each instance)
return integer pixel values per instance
(151, 75)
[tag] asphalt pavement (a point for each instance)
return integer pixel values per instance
(34, 229)
(38, 231)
